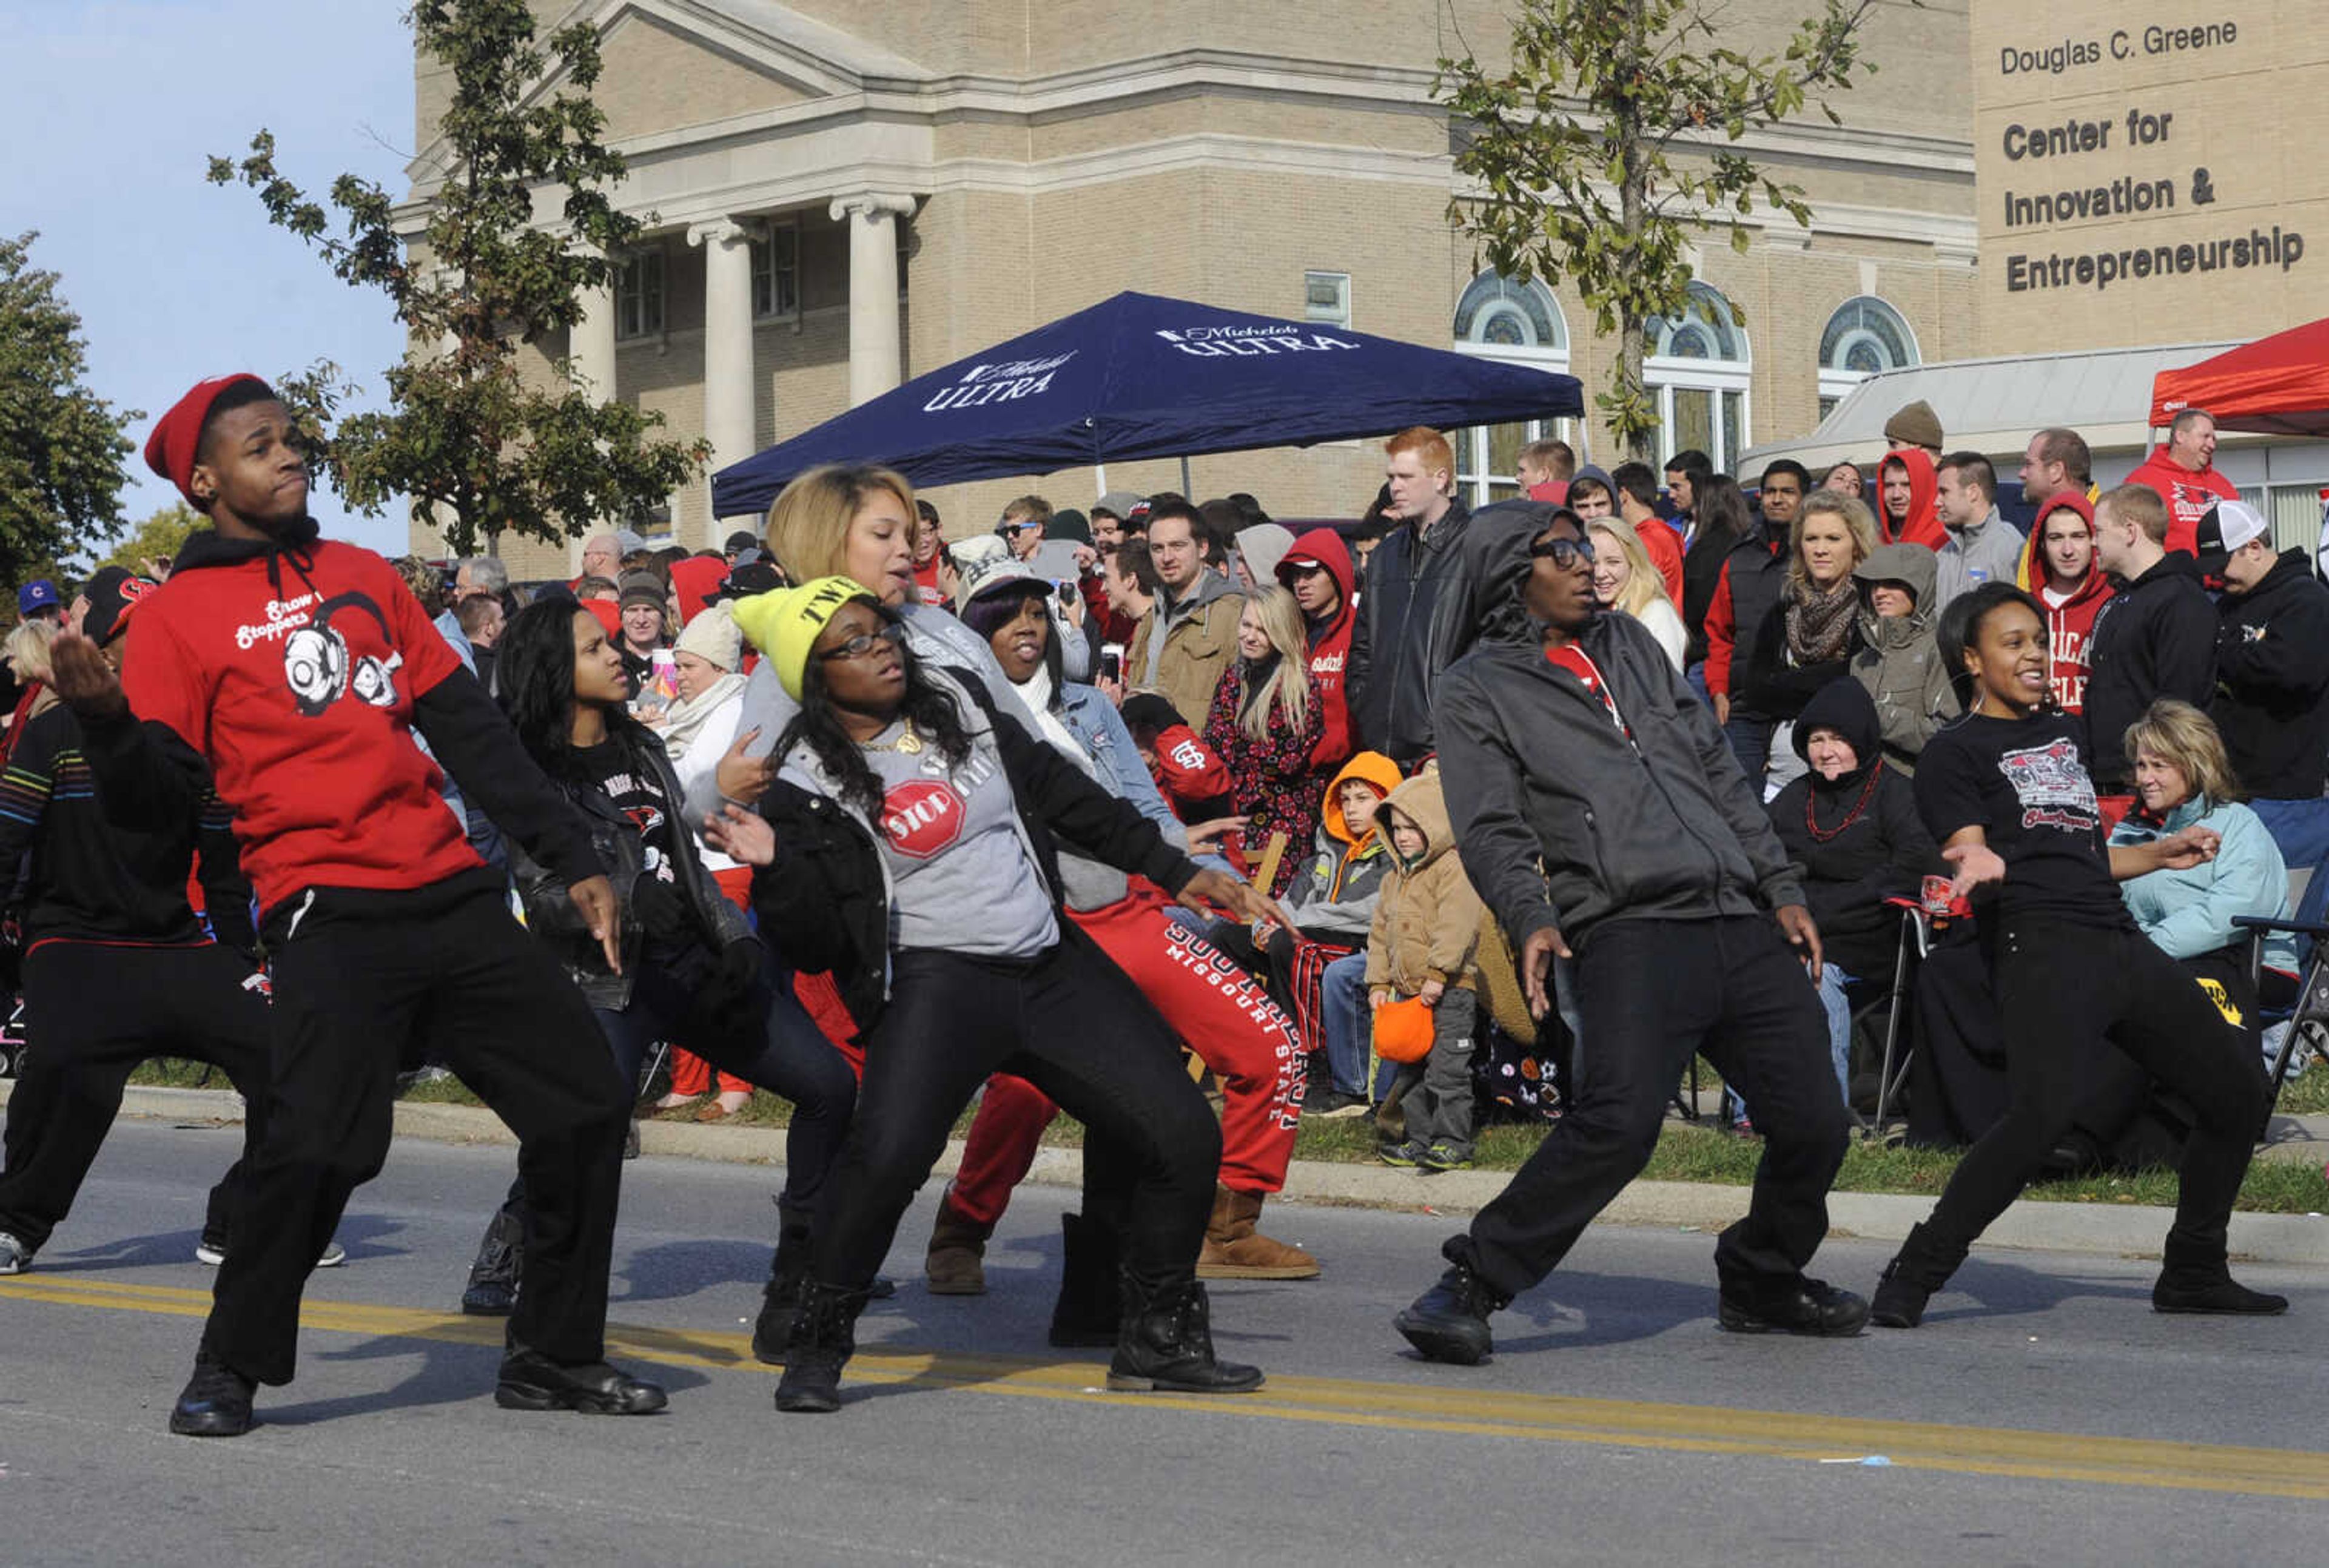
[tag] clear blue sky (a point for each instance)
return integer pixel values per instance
(108, 112)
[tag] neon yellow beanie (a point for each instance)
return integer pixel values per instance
(786, 623)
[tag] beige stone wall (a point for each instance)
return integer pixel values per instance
(2239, 94)
(654, 80)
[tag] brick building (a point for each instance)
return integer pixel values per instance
(847, 193)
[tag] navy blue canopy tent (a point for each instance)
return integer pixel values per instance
(1140, 376)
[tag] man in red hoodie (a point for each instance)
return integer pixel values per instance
(1906, 488)
(295, 671)
(2183, 472)
(1318, 572)
(2059, 566)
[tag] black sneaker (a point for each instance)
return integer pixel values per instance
(215, 1402)
(14, 1256)
(1406, 1155)
(531, 1380)
(1449, 1322)
(1809, 1306)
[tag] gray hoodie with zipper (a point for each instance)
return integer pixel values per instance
(1564, 818)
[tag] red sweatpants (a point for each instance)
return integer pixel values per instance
(1221, 1011)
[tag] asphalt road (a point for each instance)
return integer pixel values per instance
(2044, 1414)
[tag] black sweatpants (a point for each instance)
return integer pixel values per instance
(1651, 993)
(2068, 993)
(1069, 1023)
(93, 1012)
(359, 978)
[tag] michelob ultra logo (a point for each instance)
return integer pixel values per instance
(1004, 383)
(1213, 342)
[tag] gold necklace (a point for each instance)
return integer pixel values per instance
(908, 741)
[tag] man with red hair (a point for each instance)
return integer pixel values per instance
(1416, 611)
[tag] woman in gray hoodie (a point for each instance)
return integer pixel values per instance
(1900, 665)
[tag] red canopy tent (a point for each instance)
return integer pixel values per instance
(2278, 385)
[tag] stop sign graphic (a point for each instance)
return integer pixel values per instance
(922, 818)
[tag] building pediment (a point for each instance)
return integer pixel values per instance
(669, 64)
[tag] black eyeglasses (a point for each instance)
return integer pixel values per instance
(865, 642)
(1564, 553)
(1018, 527)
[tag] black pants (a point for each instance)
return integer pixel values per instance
(770, 1041)
(94, 1012)
(1651, 993)
(358, 979)
(1956, 1082)
(2062, 990)
(1069, 1023)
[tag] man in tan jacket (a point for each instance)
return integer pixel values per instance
(1189, 635)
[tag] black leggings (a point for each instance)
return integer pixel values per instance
(93, 1012)
(2066, 994)
(1069, 1023)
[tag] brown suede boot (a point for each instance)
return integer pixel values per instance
(956, 1263)
(1234, 1250)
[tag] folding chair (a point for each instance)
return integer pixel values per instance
(2308, 1016)
(1916, 941)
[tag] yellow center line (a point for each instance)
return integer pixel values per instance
(1397, 1406)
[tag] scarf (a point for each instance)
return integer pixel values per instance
(1819, 624)
(1036, 693)
(682, 720)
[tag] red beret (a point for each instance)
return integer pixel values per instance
(170, 449)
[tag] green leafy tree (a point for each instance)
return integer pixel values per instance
(62, 447)
(475, 448)
(157, 539)
(1607, 141)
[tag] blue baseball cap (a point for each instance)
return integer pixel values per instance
(38, 595)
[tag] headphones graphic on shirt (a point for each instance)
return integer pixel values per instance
(320, 669)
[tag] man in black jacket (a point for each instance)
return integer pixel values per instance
(2272, 684)
(1602, 816)
(2155, 637)
(1416, 609)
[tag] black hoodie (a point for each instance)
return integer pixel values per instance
(1564, 820)
(2272, 669)
(1858, 838)
(2155, 637)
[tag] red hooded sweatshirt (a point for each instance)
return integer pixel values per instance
(1924, 526)
(1330, 641)
(2190, 497)
(695, 579)
(2070, 625)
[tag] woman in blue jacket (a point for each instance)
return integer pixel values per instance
(2184, 779)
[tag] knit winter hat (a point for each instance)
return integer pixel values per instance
(1916, 425)
(643, 587)
(714, 638)
(785, 625)
(170, 449)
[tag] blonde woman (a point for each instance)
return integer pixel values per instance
(1266, 719)
(1808, 637)
(1625, 580)
(853, 520)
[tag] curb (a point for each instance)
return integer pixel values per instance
(2115, 1229)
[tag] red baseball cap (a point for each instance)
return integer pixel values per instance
(170, 449)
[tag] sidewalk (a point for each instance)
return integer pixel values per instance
(2120, 1229)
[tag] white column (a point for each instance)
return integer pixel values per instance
(726, 338)
(590, 362)
(875, 357)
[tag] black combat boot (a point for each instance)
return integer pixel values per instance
(823, 1337)
(1165, 1344)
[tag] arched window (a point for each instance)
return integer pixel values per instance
(1863, 336)
(1697, 366)
(1521, 324)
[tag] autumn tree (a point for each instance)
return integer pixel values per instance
(157, 539)
(62, 447)
(1608, 139)
(475, 448)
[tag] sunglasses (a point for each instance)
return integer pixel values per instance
(1564, 553)
(865, 642)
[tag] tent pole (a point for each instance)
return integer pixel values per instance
(1188, 492)
(1099, 478)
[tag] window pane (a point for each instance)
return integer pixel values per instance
(1694, 423)
(1504, 444)
(2295, 516)
(1734, 428)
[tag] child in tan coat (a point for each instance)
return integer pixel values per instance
(1421, 945)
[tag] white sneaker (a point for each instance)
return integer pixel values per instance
(14, 1256)
(214, 1254)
